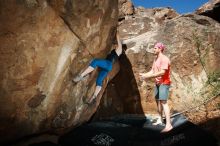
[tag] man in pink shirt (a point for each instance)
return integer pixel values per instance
(161, 72)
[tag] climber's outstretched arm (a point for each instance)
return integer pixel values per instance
(119, 47)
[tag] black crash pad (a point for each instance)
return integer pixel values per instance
(137, 131)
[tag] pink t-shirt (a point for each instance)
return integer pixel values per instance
(162, 62)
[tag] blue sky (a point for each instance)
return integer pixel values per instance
(181, 6)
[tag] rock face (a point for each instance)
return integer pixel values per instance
(193, 50)
(210, 9)
(145, 20)
(125, 8)
(43, 45)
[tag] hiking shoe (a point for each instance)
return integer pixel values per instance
(77, 78)
(90, 101)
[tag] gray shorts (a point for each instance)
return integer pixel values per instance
(161, 92)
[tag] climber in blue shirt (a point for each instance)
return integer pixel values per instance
(105, 66)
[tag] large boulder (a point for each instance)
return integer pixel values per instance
(43, 45)
(145, 20)
(193, 47)
(126, 8)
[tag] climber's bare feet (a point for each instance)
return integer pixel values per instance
(92, 99)
(167, 128)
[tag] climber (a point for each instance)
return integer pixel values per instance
(105, 66)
